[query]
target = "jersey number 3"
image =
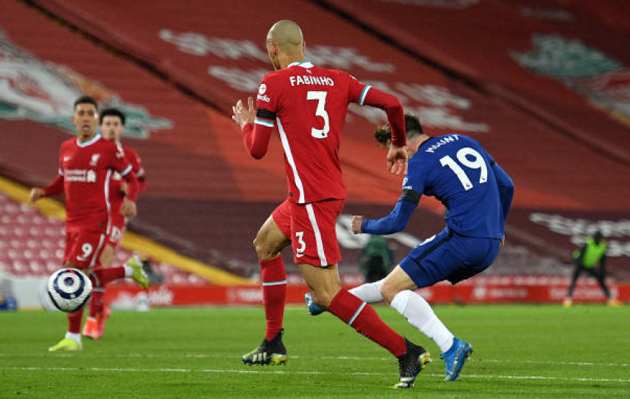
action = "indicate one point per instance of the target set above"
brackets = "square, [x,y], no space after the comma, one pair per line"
[462,156]
[320,96]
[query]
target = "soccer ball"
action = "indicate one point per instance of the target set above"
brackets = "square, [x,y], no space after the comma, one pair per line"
[69,289]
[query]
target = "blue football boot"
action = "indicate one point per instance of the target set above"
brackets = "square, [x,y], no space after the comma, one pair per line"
[313,309]
[455,357]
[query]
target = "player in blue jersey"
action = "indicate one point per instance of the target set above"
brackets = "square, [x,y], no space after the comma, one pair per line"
[477,194]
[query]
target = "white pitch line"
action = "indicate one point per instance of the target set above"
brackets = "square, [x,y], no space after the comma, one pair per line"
[556,363]
[210,356]
[224,371]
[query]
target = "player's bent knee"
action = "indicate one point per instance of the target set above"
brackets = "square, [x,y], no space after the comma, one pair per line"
[263,249]
[388,291]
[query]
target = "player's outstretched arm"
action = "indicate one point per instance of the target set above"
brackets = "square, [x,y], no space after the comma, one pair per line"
[394,222]
[394,110]
[397,155]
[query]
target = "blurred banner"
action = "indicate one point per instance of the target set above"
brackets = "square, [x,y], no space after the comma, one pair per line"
[562,62]
[18,293]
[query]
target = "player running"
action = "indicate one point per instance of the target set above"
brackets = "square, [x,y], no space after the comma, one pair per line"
[112,124]
[309,106]
[477,194]
[86,166]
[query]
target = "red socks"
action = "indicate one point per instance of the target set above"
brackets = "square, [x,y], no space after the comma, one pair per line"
[100,277]
[74,321]
[364,319]
[274,281]
[96,303]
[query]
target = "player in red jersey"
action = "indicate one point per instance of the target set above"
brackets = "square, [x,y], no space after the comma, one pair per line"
[309,106]
[112,123]
[86,165]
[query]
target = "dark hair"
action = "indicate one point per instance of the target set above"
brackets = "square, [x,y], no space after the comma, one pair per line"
[383,134]
[86,100]
[113,112]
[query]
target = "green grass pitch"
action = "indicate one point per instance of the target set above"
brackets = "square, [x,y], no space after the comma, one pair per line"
[519,352]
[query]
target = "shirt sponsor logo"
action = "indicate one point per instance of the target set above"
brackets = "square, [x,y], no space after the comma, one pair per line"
[263,98]
[80,175]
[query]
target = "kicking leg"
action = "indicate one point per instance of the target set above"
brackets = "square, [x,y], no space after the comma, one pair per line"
[398,290]
[327,293]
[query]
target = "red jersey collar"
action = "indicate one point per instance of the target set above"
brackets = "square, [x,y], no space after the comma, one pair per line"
[88,143]
[303,64]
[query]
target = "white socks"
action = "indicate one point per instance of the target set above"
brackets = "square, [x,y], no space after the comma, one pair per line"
[76,337]
[420,315]
[369,292]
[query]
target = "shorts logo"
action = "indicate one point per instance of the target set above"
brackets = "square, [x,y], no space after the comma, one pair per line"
[262,89]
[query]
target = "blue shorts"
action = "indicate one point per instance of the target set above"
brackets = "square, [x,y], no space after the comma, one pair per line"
[449,256]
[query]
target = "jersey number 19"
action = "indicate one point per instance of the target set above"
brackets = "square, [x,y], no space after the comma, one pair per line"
[462,157]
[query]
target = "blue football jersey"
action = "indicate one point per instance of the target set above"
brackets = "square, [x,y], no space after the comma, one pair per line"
[457,171]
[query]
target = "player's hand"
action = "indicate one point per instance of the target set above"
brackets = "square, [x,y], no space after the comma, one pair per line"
[242,115]
[37,193]
[128,208]
[357,221]
[502,243]
[397,159]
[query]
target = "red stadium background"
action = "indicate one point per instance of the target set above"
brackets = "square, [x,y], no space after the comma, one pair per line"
[543,85]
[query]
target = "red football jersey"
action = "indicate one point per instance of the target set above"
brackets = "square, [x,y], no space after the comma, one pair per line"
[117,197]
[87,169]
[309,106]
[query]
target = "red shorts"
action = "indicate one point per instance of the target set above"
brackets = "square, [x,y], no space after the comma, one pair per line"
[313,232]
[84,248]
[114,238]
[282,216]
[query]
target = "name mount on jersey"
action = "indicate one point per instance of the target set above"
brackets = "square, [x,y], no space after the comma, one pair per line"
[297,80]
[443,141]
